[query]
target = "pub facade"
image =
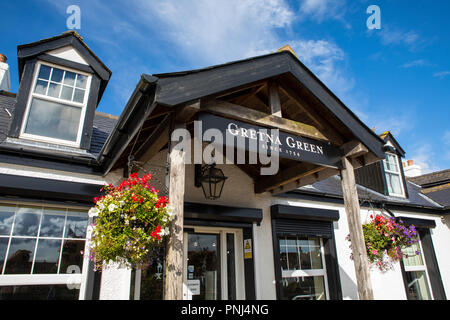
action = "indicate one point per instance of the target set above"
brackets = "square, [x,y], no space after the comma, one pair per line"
[266,169]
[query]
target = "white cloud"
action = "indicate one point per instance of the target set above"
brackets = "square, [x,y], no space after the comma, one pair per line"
[415,63]
[441,74]
[320,10]
[326,60]
[216,32]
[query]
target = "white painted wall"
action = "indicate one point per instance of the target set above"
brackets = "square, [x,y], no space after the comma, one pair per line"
[238,191]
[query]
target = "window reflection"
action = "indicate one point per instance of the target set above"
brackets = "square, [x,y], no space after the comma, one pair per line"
[71,254]
[6,220]
[27,222]
[304,288]
[47,256]
[52,223]
[76,225]
[20,256]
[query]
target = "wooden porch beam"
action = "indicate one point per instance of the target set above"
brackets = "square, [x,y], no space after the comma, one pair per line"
[321,123]
[351,203]
[274,99]
[324,173]
[186,112]
[173,284]
[155,141]
[294,173]
[241,113]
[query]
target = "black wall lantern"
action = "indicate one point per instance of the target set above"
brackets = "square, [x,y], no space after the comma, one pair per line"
[211,179]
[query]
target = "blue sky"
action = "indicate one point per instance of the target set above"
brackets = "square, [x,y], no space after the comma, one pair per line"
[396,78]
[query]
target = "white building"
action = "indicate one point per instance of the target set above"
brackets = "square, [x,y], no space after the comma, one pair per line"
[266,237]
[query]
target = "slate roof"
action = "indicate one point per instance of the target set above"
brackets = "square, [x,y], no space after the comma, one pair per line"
[331,187]
[103,123]
[7,101]
[433,178]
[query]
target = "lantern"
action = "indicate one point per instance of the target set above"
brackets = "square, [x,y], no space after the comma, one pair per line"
[211,179]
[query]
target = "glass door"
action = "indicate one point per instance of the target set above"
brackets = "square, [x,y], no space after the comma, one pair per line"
[213,266]
[203,271]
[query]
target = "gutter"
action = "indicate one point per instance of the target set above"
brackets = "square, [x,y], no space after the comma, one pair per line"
[121,135]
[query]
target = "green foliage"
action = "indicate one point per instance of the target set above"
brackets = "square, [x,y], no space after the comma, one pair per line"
[131,220]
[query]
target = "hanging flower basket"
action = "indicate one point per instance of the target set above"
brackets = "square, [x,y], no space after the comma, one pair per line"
[385,239]
[130,221]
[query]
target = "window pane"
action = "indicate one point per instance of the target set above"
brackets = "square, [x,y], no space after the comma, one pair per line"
[57,75]
[413,260]
[52,223]
[78,96]
[76,225]
[44,72]
[54,90]
[81,81]
[6,219]
[303,288]
[66,93]
[292,254]
[69,78]
[27,222]
[417,285]
[41,87]
[316,254]
[231,269]
[47,256]
[394,183]
[283,257]
[71,255]
[391,163]
[20,256]
[305,256]
[3,247]
[40,292]
[53,120]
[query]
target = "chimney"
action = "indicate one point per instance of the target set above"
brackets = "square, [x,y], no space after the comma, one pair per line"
[5,81]
[411,169]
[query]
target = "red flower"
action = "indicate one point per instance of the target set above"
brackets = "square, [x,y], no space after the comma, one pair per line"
[162,201]
[156,233]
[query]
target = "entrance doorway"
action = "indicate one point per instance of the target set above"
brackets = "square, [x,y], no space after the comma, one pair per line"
[213,264]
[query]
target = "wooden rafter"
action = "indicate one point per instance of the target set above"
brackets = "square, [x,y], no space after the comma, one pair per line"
[234,111]
[321,124]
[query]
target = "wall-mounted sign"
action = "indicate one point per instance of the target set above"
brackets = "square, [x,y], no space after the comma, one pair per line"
[248,249]
[194,287]
[252,138]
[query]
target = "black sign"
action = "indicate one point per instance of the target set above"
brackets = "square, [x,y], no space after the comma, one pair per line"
[241,135]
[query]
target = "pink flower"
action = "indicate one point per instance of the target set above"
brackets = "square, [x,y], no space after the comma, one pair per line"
[374,252]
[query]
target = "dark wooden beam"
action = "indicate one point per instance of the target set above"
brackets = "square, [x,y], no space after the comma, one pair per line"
[323,125]
[274,99]
[241,113]
[268,183]
[154,142]
[323,173]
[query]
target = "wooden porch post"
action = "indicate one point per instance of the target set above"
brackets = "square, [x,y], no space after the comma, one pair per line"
[173,286]
[352,208]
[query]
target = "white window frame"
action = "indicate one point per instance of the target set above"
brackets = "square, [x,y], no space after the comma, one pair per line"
[299,273]
[399,174]
[423,268]
[32,95]
[77,280]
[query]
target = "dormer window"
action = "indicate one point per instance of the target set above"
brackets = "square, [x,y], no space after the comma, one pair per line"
[393,175]
[57,105]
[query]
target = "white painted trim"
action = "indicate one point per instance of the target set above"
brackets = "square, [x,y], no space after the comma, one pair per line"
[83,106]
[40,279]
